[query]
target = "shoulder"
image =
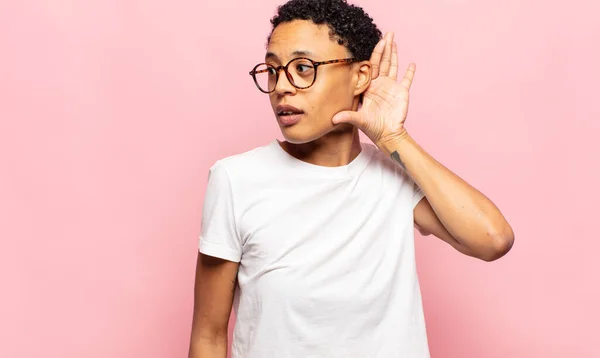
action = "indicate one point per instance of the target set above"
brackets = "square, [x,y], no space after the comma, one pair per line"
[380,160]
[246,164]
[385,165]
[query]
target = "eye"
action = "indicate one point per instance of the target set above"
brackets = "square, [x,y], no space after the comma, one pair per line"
[301,67]
[271,71]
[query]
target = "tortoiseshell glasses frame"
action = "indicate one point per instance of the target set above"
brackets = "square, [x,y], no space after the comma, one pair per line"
[289,76]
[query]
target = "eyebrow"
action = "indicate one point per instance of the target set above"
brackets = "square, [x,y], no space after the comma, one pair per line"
[295,53]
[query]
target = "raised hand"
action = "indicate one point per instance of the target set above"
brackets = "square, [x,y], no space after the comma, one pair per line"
[385,103]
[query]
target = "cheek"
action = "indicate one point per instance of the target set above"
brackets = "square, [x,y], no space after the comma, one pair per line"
[273,100]
[333,97]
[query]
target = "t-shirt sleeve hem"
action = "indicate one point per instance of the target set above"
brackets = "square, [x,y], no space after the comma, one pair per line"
[418,196]
[219,251]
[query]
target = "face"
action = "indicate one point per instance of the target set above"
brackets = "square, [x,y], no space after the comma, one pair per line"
[304,115]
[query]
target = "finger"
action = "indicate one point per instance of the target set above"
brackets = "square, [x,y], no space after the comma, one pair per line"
[394,63]
[384,68]
[376,58]
[350,117]
[408,76]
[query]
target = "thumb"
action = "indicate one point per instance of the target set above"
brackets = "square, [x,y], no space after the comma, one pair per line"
[351,117]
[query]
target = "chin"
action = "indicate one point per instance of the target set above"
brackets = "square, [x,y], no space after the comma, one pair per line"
[298,137]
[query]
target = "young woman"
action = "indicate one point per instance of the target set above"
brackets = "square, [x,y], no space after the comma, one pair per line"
[311,239]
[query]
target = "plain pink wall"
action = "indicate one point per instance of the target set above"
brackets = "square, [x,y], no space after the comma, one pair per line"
[111,113]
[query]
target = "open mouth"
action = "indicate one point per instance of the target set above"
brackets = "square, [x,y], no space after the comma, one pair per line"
[288,111]
[288,115]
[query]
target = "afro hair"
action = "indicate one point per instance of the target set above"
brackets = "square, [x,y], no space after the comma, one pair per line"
[349,25]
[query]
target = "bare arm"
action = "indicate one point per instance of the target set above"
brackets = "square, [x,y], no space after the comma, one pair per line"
[453,210]
[213,297]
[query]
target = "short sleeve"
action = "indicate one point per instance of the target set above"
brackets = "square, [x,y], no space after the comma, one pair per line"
[417,195]
[409,184]
[219,236]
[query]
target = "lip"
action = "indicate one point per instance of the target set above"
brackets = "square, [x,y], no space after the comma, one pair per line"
[288,120]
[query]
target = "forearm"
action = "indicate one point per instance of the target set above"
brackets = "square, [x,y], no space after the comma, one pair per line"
[468,215]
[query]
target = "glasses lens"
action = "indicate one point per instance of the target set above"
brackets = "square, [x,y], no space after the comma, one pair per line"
[302,72]
[265,77]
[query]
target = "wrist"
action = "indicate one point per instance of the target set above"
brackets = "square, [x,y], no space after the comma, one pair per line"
[392,143]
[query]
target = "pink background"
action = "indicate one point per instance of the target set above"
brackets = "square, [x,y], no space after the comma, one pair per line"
[111,113]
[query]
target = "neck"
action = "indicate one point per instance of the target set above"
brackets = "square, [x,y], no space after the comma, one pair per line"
[332,150]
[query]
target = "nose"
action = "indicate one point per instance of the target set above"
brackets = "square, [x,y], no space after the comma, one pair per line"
[284,85]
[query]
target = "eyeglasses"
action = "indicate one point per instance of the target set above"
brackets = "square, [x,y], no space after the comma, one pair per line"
[301,72]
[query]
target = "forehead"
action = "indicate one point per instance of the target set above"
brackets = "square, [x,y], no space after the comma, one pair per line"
[304,36]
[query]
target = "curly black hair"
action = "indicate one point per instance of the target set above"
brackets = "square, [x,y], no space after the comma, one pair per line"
[349,25]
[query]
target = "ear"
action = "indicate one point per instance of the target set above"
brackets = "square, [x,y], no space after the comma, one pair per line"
[363,77]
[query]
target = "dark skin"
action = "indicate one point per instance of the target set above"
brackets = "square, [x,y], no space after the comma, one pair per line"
[452,210]
[213,299]
[315,139]
[328,135]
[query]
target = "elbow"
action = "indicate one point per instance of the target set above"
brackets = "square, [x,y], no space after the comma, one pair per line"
[500,243]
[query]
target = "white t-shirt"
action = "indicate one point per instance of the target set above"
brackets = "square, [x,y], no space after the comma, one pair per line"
[327,259]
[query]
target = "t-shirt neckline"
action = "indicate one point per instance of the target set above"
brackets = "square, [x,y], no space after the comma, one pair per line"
[354,167]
